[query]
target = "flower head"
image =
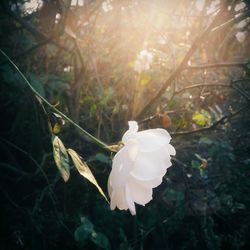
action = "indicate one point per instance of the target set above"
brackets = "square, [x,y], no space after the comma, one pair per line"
[139,167]
[143,61]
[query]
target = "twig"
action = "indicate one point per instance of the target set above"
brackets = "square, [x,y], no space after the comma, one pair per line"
[213,126]
[24,53]
[97,141]
[33,160]
[152,117]
[182,65]
[40,35]
[218,65]
[231,85]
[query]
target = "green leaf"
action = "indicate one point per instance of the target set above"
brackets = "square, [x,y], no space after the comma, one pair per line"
[205,140]
[201,118]
[173,195]
[195,164]
[100,240]
[84,170]
[61,157]
[102,158]
[83,232]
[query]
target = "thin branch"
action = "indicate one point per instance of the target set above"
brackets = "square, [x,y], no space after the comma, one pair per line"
[183,64]
[40,35]
[24,53]
[213,126]
[94,139]
[232,21]
[218,65]
[34,161]
[152,117]
[231,85]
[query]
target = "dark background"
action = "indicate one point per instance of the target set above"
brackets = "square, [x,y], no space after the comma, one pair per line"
[83,63]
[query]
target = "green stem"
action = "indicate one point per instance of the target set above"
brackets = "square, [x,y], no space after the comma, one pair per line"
[97,141]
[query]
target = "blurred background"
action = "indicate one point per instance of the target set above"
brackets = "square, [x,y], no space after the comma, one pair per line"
[181,65]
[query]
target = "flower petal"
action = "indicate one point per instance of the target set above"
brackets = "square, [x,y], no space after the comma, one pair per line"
[133,149]
[148,169]
[148,183]
[131,132]
[152,139]
[129,199]
[121,167]
[171,149]
[140,194]
[118,199]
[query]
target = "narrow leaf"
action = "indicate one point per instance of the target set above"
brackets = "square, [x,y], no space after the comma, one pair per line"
[61,157]
[84,170]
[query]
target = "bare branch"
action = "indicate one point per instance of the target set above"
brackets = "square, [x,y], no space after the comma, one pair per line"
[218,65]
[183,64]
[213,126]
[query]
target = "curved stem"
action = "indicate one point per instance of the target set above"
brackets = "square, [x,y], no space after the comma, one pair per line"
[94,139]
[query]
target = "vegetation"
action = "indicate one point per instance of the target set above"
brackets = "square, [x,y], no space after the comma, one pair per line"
[73,73]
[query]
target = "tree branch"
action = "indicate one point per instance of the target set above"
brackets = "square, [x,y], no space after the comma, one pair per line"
[40,35]
[213,126]
[183,64]
[218,65]
[94,139]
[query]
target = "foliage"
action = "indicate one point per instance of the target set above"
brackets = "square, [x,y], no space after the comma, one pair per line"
[170,64]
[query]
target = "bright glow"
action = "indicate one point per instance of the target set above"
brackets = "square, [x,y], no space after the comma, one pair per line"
[143,61]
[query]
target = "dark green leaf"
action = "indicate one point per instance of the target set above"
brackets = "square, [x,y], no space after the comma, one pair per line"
[83,232]
[195,164]
[100,240]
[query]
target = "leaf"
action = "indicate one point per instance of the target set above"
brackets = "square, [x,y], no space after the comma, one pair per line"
[205,140]
[195,164]
[145,79]
[84,230]
[173,195]
[100,240]
[102,158]
[61,157]
[84,170]
[201,118]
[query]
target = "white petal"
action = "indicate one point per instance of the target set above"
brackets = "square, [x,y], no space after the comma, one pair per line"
[133,126]
[122,165]
[110,189]
[147,169]
[148,183]
[129,199]
[131,132]
[133,148]
[140,194]
[118,199]
[152,139]
[171,149]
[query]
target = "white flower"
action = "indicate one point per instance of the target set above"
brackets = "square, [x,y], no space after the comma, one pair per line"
[139,167]
[143,61]
[241,36]
[106,6]
[239,6]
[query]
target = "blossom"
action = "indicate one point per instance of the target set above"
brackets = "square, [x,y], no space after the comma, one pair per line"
[139,167]
[106,6]
[241,36]
[143,61]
